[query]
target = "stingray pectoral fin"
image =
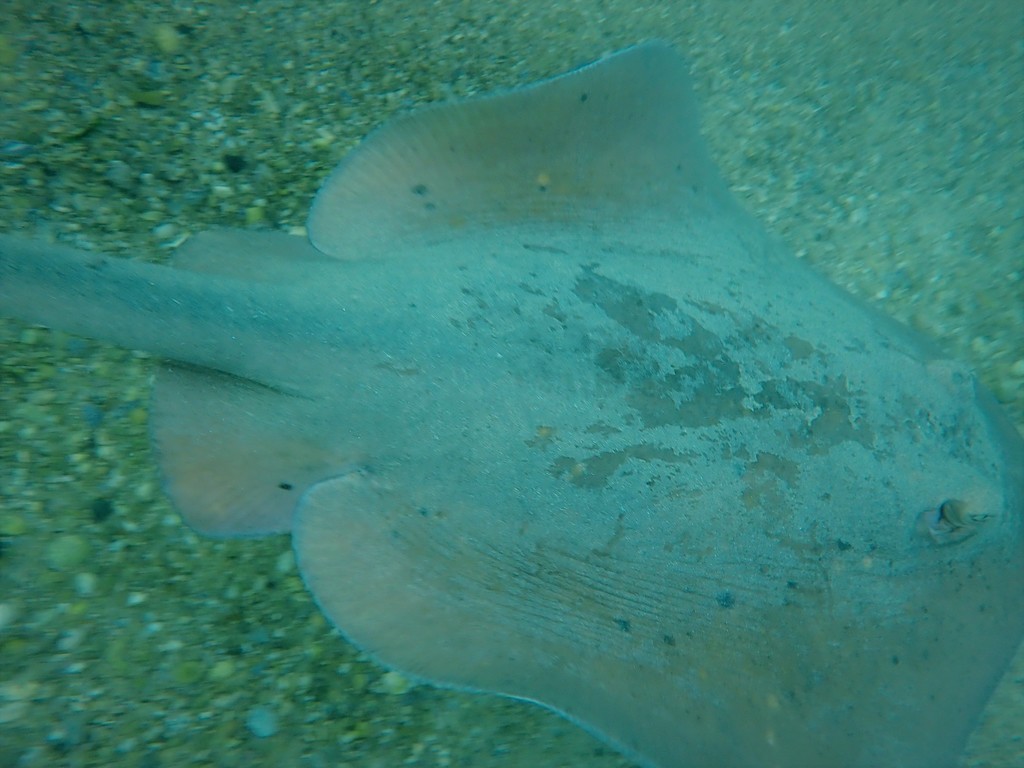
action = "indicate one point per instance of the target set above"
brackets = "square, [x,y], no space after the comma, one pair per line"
[613,140]
[237,456]
[430,593]
[395,579]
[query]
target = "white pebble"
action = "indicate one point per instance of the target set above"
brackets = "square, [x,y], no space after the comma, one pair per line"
[85,584]
[285,562]
[261,722]
[165,231]
[393,683]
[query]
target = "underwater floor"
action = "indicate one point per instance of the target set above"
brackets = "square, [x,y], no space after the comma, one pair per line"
[883,144]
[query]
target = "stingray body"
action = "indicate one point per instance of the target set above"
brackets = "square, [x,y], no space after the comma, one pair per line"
[548,415]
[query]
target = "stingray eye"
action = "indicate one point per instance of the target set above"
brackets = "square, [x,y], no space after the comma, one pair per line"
[952,520]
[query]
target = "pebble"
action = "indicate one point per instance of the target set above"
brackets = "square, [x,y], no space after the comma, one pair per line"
[393,684]
[67,551]
[253,215]
[8,613]
[165,231]
[222,670]
[261,722]
[120,175]
[70,640]
[12,524]
[12,711]
[285,562]
[85,584]
[167,39]
[188,672]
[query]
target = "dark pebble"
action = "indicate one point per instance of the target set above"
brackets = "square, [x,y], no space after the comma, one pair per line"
[101,509]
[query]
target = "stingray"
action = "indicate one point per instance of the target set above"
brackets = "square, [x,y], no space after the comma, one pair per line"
[548,415]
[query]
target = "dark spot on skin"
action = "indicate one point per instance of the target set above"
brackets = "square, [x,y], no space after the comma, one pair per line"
[101,509]
[285,486]
[584,97]
[420,189]
[624,624]
[668,639]
[725,599]
[895,661]
[843,545]
[791,584]
[539,248]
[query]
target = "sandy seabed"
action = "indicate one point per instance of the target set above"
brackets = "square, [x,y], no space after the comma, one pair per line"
[881,140]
